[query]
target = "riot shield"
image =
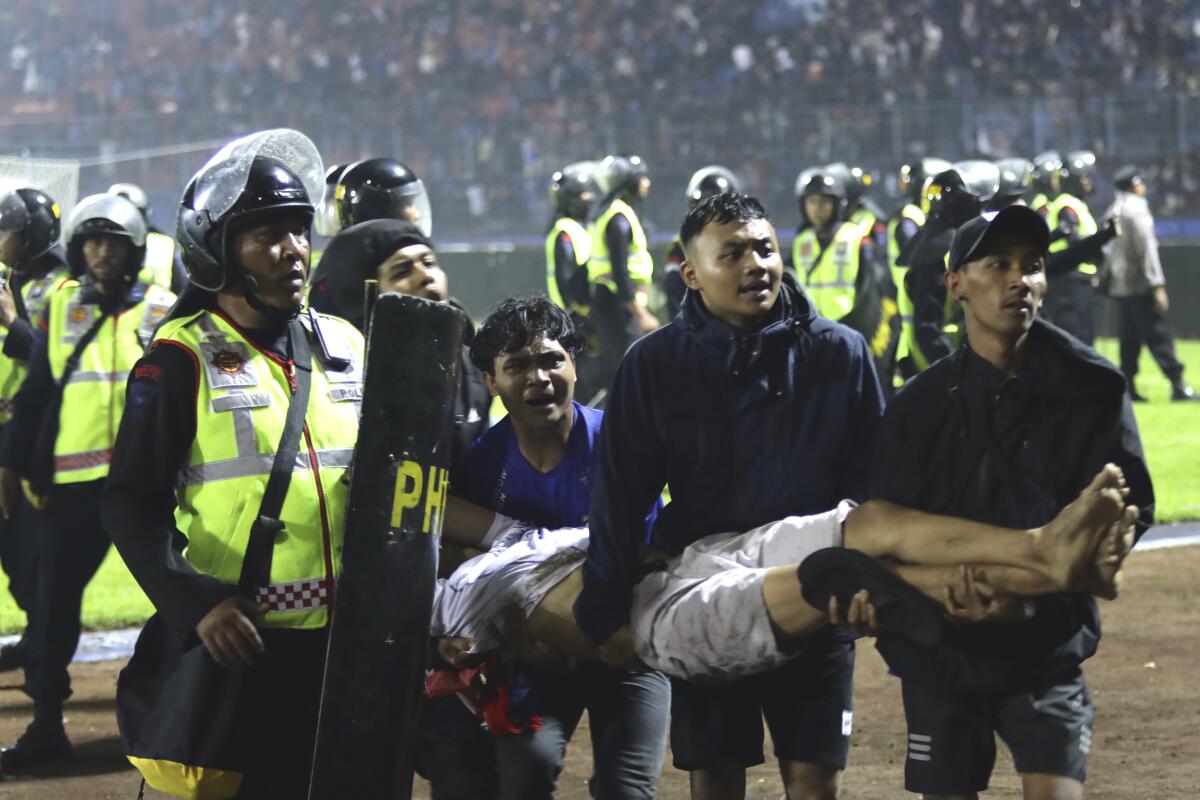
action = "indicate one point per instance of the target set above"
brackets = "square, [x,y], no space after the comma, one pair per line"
[379,634]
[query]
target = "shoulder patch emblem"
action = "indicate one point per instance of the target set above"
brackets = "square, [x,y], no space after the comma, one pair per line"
[77,314]
[229,362]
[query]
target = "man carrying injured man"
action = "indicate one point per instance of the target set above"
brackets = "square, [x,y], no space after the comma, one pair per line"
[733,604]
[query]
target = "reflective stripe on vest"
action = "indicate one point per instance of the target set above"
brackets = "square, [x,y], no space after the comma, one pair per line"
[828,275]
[581,242]
[36,294]
[241,406]
[641,263]
[1087,225]
[159,265]
[94,396]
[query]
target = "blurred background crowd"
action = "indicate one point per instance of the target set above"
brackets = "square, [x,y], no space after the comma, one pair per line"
[485,99]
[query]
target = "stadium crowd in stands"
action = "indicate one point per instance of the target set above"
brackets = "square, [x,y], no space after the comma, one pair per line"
[486,97]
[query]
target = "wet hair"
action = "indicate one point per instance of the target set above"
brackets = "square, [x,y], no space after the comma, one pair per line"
[722,209]
[516,322]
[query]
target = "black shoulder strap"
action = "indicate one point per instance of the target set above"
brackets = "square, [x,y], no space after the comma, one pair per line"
[256,566]
[81,345]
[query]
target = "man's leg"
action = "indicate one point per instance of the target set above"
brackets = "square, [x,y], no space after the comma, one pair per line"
[73,546]
[1129,334]
[1049,731]
[628,713]
[716,734]
[951,742]
[454,753]
[808,704]
[1157,335]
[529,763]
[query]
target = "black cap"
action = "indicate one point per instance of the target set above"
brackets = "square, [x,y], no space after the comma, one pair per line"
[1127,177]
[973,240]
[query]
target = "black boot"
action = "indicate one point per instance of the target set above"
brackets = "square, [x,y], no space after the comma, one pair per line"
[12,656]
[1135,395]
[44,740]
[1182,392]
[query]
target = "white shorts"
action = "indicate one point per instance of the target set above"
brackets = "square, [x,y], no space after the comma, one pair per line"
[704,619]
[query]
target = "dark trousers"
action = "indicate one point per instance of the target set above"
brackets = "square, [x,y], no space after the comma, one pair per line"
[1141,323]
[1070,304]
[285,685]
[71,545]
[18,553]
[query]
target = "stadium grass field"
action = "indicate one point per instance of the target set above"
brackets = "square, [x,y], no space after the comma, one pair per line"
[1170,433]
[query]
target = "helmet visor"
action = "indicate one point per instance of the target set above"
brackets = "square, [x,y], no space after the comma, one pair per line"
[410,202]
[109,213]
[326,221]
[220,182]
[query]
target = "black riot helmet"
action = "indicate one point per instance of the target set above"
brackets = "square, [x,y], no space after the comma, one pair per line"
[915,175]
[326,221]
[33,215]
[820,180]
[1045,172]
[106,215]
[1077,173]
[382,188]
[711,180]
[249,178]
[1016,180]
[962,192]
[621,176]
[573,190]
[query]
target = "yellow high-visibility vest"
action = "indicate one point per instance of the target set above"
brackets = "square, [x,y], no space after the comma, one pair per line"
[159,266]
[1087,225]
[94,396]
[36,294]
[640,265]
[581,242]
[241,409]
[904,303]
[828,275]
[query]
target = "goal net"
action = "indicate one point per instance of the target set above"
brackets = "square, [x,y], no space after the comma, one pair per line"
[58,178]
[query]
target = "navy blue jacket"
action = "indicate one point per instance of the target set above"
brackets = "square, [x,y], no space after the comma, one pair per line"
[744,428]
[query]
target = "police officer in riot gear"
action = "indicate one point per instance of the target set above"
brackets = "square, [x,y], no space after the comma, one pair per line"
[1045,180]
[839,266]
[860,208]
[1016,183]
[220,377]
[378,188]
[59,443]
[912,180]
[621,269]
[705,182]
[569,243]
[30,226]
[1070,295]
[955,196]
[164,265]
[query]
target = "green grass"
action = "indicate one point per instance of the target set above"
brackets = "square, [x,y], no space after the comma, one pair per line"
[1170,433]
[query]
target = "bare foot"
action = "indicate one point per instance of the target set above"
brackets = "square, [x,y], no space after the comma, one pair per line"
[1110,555]
[1070,540]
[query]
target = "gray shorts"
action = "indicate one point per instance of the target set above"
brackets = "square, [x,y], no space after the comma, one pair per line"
[952,744]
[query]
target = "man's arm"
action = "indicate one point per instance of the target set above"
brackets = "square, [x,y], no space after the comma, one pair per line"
[19,343]
[618,235]
[1080,251]
[34,396]
[156,432]
[630,474]
[564,266]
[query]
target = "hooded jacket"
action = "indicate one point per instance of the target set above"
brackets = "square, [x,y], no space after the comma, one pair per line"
[744,426]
